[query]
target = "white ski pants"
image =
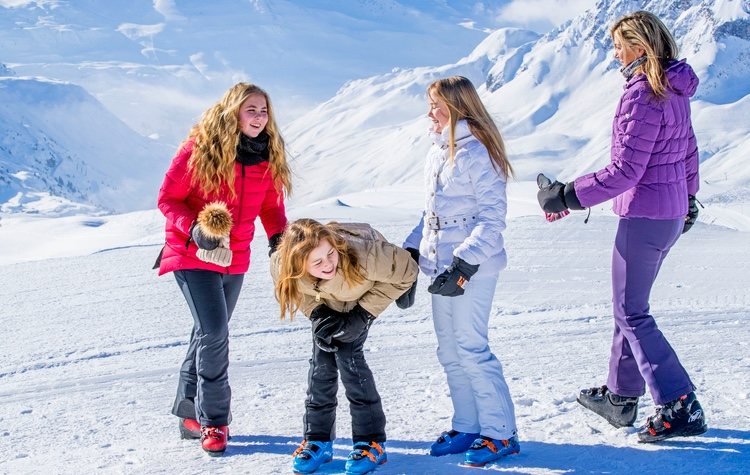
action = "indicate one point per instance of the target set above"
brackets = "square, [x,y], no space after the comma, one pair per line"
[480,396]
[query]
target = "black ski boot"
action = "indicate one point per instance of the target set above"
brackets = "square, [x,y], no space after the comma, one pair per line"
[680,418]
[620,411]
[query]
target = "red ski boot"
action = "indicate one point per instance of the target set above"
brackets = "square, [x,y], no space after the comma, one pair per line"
[214,439]
[190,429]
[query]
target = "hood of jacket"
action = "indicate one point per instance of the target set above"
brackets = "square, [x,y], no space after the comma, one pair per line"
[682,78]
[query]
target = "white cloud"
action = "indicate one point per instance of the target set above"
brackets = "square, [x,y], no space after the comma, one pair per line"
[259,5]
[23,3]
[167,8]
[541,15]
[134,31]
[197,60]
[14,3]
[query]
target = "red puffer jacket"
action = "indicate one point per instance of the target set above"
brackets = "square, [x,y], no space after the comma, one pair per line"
[181,202]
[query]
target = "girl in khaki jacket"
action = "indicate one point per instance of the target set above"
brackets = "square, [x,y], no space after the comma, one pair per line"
[341,276]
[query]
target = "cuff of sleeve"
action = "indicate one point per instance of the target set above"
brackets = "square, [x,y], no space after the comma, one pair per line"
[571,199]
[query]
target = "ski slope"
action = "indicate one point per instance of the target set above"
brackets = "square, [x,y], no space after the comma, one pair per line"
[92,344]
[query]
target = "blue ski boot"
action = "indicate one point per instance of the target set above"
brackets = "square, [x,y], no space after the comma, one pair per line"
[452,442]
[485,450]
[365,458]
[310,455]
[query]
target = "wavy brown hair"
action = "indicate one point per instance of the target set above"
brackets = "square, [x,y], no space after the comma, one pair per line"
[298,241]
[217,135]
[644,29]
[464,103]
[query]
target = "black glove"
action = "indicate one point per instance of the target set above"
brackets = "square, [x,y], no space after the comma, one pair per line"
[273,243]
[452,281]
[353,324]
[201,240]
[322,318]
[692,214]
[556,197]
[330,326]
[407,298]
[327,347]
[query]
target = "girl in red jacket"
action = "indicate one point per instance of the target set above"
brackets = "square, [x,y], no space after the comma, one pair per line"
[231,169]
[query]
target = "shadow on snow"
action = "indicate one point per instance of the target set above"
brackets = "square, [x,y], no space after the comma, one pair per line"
[714,452]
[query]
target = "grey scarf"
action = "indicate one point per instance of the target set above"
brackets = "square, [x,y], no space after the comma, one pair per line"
[628,70]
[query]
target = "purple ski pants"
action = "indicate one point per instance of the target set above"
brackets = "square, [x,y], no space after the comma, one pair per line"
[640,353]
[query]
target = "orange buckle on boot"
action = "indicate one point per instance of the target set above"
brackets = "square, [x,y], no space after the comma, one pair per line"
[491,446]
[372,456]
[299,449]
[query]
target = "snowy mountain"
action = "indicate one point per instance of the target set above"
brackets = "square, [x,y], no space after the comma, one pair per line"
[553,97]
[61,152]
[159,64]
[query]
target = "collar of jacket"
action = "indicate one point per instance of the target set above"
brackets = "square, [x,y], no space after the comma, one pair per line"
[639,77]
[462,135]
[331,287]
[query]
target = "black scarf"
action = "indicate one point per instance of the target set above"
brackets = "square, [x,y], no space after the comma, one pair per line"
[252,151]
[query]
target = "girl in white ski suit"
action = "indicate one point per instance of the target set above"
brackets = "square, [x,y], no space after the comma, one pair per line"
[461,229]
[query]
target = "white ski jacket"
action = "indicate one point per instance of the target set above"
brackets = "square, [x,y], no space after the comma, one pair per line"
[465,207]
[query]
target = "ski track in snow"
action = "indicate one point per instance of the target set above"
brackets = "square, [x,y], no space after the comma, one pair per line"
[92,346]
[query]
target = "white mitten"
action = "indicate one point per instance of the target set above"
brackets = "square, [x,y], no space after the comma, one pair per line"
[221,256]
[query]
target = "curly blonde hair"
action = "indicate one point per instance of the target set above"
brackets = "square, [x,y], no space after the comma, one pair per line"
[463,102]
[298,241]
[644,29]
[217,135]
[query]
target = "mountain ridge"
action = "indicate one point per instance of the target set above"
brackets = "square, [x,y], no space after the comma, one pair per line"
[63,152]
[552,95]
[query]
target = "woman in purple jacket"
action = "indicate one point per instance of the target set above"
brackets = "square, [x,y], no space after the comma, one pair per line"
[653,179]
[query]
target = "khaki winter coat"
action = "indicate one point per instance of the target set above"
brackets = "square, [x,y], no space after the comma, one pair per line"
[388,271]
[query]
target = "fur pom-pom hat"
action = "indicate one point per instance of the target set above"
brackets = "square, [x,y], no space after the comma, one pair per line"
[215,220]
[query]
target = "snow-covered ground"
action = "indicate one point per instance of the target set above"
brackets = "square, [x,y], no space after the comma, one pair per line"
[92,342]
[92,338]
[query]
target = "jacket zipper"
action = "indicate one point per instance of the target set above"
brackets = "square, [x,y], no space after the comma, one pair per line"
[239,211]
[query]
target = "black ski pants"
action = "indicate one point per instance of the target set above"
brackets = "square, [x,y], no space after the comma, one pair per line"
[203,391]
[368,419]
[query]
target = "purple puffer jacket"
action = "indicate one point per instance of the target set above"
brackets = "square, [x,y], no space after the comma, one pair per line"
[654,153]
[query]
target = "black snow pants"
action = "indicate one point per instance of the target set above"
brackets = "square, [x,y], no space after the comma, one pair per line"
[368,419]
[203,392]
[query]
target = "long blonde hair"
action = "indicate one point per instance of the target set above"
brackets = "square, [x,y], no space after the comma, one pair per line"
[217,135]
[644,29]
[298,241]
[464,103]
